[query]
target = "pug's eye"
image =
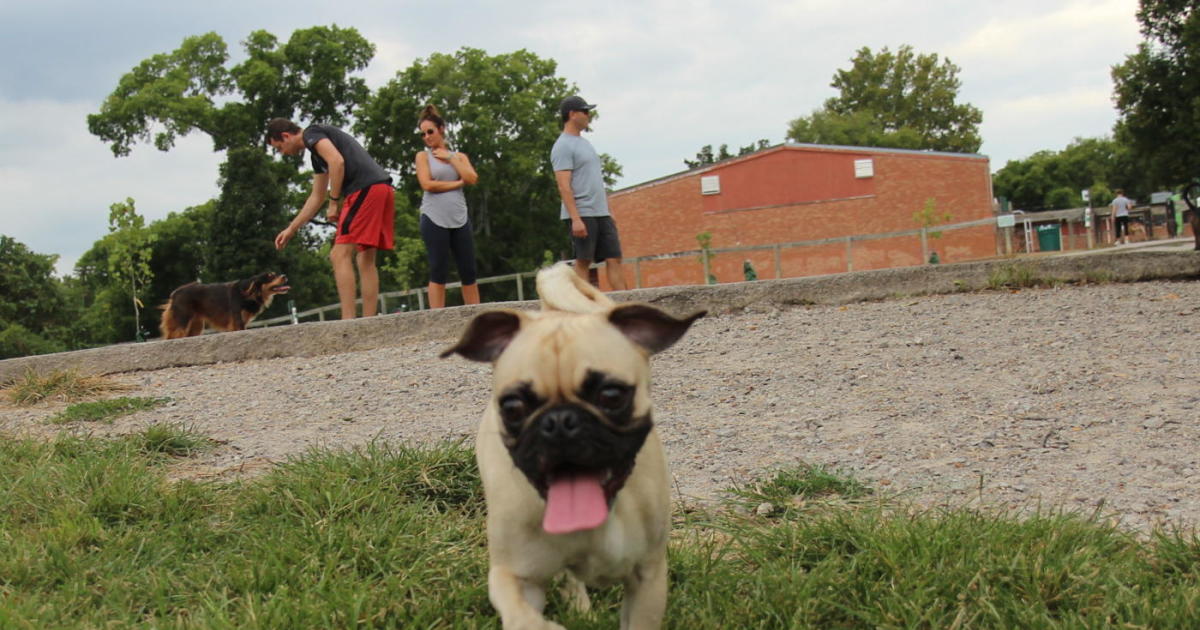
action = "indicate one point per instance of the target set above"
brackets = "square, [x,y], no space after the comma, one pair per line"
[613,398]
[512,408]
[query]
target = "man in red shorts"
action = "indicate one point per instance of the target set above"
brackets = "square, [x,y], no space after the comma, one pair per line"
[361,204]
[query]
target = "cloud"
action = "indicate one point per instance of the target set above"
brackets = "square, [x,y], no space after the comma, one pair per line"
[1057,104]
[1040,73]
[66,178]
[391,56]
[1049,120]
[1048,48]
[1025,40]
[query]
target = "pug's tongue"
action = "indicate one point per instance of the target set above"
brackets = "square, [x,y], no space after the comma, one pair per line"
[574,503]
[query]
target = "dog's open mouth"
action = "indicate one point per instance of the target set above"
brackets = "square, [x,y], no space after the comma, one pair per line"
[579,499]
[280,288]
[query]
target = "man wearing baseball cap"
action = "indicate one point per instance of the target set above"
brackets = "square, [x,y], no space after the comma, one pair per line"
[577,169]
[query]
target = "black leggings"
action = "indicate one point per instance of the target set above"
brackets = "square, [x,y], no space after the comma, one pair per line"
[440,242]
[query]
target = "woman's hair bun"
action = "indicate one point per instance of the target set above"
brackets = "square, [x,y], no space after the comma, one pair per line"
[430,113]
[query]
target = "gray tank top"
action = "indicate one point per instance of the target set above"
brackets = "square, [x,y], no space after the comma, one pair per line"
[446,209]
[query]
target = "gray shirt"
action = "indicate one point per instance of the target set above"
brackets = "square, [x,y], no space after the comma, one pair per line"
[361,170]
[446,209]
[1121,206]
[573,153]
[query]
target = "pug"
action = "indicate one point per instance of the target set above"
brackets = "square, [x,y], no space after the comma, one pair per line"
[573,470]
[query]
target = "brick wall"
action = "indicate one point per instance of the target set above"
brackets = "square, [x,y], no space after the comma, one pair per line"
[799,193]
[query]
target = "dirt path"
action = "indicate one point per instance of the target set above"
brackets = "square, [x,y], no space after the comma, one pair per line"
[1076,397]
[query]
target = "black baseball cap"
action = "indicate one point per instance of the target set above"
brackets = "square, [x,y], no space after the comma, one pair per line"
[574,104]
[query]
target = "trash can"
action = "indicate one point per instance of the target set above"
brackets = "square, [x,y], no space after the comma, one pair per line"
[1049,237]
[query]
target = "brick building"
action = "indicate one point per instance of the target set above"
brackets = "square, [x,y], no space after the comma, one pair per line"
[810,196]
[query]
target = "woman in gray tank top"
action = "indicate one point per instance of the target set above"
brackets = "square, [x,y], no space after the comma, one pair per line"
[445,224]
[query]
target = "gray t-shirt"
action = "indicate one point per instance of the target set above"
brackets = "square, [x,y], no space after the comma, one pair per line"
[446,209]
[1121,206]
[573,153]
[361,169]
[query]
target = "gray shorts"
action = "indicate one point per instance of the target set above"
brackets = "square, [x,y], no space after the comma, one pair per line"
[601,242]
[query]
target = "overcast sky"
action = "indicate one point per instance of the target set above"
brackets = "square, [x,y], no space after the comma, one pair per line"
[669,76]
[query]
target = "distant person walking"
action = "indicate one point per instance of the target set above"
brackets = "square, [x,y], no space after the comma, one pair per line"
[1120,208]
[361,204]
[445,224]
[577,170]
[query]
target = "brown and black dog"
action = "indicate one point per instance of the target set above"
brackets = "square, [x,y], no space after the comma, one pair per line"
[225,306]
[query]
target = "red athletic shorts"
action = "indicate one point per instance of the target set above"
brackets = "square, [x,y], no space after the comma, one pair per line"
[368,218]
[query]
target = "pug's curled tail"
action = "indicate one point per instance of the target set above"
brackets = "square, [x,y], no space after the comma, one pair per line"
[561,289]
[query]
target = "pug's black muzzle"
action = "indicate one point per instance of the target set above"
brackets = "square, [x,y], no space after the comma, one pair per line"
[569,439]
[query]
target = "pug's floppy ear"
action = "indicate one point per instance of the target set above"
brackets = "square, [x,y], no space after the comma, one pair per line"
[486,336]
[649,327]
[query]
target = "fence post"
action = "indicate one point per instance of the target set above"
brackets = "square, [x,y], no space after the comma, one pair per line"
[778,261]
[1089,228]
[704,259]
[420,299]
[520,289]
[924,245]
[637,273]
[849,255]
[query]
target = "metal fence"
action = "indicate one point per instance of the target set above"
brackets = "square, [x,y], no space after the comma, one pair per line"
[393,296]
[777,248]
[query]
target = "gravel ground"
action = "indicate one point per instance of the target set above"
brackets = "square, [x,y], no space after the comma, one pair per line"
[1080,398]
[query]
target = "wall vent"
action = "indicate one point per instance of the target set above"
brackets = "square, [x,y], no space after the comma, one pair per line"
[864,168]
[710,185]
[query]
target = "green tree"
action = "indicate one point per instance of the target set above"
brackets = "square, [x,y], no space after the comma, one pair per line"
[32,306]
[196,89]
[18,341]
[31,296]
[1049,180]
[1157,90]
[104,317]
[928,216]
[129,255]
[502,111]
[900,100]
[706,156]
[178,249]
[1062,198]
[193,89]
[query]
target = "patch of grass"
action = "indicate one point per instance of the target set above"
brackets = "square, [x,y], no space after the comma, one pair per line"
[875,567]
[105,410]
[92,535]
[61,386]
[172,439]
[789,490]
[1017,276]
[1097,276]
